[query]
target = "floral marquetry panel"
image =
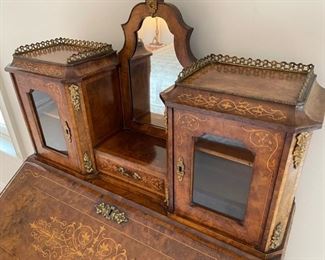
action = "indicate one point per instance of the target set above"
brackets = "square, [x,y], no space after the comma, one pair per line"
[243,108]
[230,105]
[57,239]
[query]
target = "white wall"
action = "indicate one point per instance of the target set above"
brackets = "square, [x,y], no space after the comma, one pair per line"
[291,30]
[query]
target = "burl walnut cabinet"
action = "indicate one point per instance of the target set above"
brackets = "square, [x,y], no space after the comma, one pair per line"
[115,177]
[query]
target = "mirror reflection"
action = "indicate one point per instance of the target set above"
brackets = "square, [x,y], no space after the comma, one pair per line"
[155,57]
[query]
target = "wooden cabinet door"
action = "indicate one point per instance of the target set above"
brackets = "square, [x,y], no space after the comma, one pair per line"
[45,105]
[263,146]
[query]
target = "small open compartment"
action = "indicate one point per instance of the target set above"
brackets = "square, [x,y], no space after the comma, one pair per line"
[222,174]
[146,152]
[137,162]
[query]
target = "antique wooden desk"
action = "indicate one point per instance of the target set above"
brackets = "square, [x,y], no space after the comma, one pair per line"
[130,164]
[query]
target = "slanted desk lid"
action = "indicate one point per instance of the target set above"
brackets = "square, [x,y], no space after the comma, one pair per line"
[49,214]
[283,94]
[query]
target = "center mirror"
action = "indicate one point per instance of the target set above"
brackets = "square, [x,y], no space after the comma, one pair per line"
[156,60]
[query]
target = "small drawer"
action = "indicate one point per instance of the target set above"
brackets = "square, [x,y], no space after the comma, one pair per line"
[135,177]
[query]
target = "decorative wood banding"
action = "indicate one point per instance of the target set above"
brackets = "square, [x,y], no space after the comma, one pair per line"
[242,108]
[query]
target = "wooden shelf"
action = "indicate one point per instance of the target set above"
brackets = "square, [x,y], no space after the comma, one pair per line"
[236,154]
[146,152]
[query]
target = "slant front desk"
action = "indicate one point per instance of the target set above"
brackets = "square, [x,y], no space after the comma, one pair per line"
[153,154]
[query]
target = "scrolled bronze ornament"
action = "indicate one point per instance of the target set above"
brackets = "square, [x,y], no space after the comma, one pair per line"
[75,96]
[111,212]
[300,148]
[276,237]
[88,165]
[166,200]
[153,6]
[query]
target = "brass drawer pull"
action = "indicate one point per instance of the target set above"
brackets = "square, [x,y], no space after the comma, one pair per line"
[180,169]
[127,173]
[111,212]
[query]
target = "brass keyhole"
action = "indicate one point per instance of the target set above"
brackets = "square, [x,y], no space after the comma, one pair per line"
[67,132]
[180,169]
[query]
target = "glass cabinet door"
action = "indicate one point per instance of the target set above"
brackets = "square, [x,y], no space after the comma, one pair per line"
[49,121]
[222,175]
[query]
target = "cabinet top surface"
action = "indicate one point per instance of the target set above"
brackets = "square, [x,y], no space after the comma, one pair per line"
[283,94]
[276,86]
[63,51]
[58,54]
[269,81]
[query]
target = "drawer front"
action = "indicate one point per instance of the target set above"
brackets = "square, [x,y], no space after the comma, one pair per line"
[229,192]
[128,174]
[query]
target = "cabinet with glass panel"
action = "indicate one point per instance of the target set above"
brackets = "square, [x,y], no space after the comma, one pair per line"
[236,144]
[56,82]
[220,150]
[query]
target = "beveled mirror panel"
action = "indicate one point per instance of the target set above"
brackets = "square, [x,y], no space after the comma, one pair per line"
[155,57]
[49,121]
